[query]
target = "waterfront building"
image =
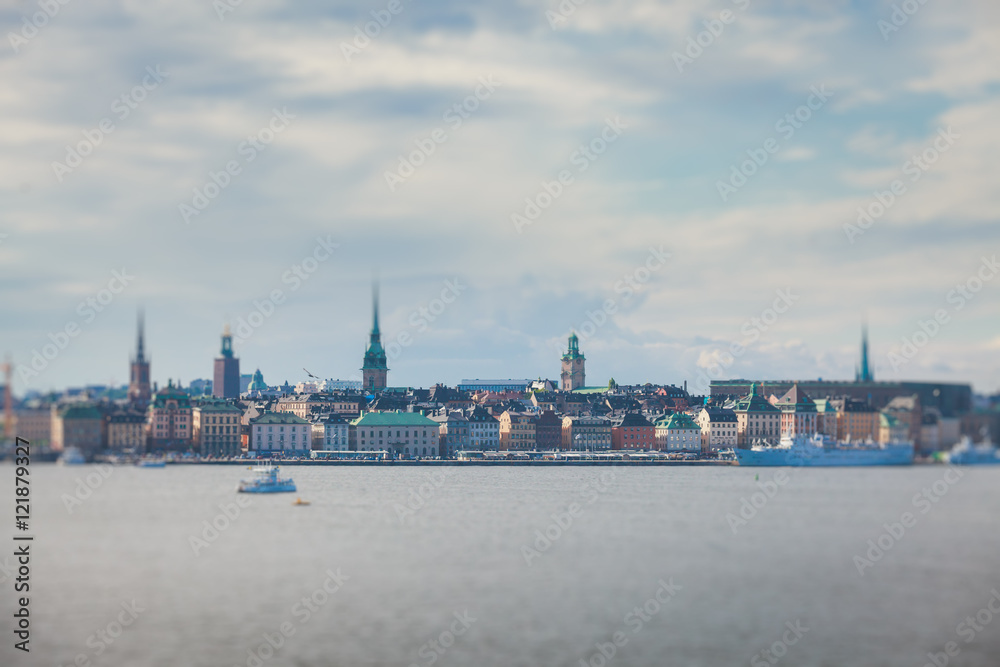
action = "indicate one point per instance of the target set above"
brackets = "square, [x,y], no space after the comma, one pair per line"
[375,369]
[586,434]
[856,420]
[572,365]
[678,433]
[170,419]
[910,411]
[126,431]
[217,429]
[951,400]
[633,431]
[280,433]
[718,428]
[826,418]
[548,431]
[138,387]
[798,413]
[756,419]
[484,431]
[453,431]
[79,425]
[330,432]
[33,422]
[517,431]
[403,433]
[891,429]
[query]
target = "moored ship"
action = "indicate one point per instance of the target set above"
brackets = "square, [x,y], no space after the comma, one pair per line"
[969,454]
[817,451]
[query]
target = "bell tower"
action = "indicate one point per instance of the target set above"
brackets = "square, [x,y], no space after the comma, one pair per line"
[572,365]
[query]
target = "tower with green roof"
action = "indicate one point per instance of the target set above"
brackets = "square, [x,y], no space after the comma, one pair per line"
[572,365]
[375,369]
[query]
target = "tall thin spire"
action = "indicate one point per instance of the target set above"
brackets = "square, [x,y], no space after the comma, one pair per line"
[375,331]
[864,371]
[375,365]
[140,354]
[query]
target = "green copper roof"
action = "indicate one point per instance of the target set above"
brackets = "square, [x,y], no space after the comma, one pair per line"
[394,419]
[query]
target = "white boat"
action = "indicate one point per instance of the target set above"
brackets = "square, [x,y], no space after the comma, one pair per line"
[71,456]
[817,451]
[266,481]
[967,453]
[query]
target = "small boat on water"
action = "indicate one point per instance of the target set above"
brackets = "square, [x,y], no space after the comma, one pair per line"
[266,481]
[151,463]
[967,453]
[299,501]
[71,456]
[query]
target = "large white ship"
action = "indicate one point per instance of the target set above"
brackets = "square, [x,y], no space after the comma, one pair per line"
[817,451]
[970,454]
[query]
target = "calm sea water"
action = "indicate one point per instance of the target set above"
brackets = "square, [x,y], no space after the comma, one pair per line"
[360,577]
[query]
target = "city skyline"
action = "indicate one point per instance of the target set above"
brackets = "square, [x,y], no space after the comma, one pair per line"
[788,154]
[570,350]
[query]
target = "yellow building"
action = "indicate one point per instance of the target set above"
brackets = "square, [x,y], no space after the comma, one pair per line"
[517,431]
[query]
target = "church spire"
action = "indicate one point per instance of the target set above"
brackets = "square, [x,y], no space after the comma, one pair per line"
[864,371]
[375,368]
[140,354]
[375,331]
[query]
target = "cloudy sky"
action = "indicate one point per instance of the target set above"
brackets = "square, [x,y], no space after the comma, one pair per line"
[217,154]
